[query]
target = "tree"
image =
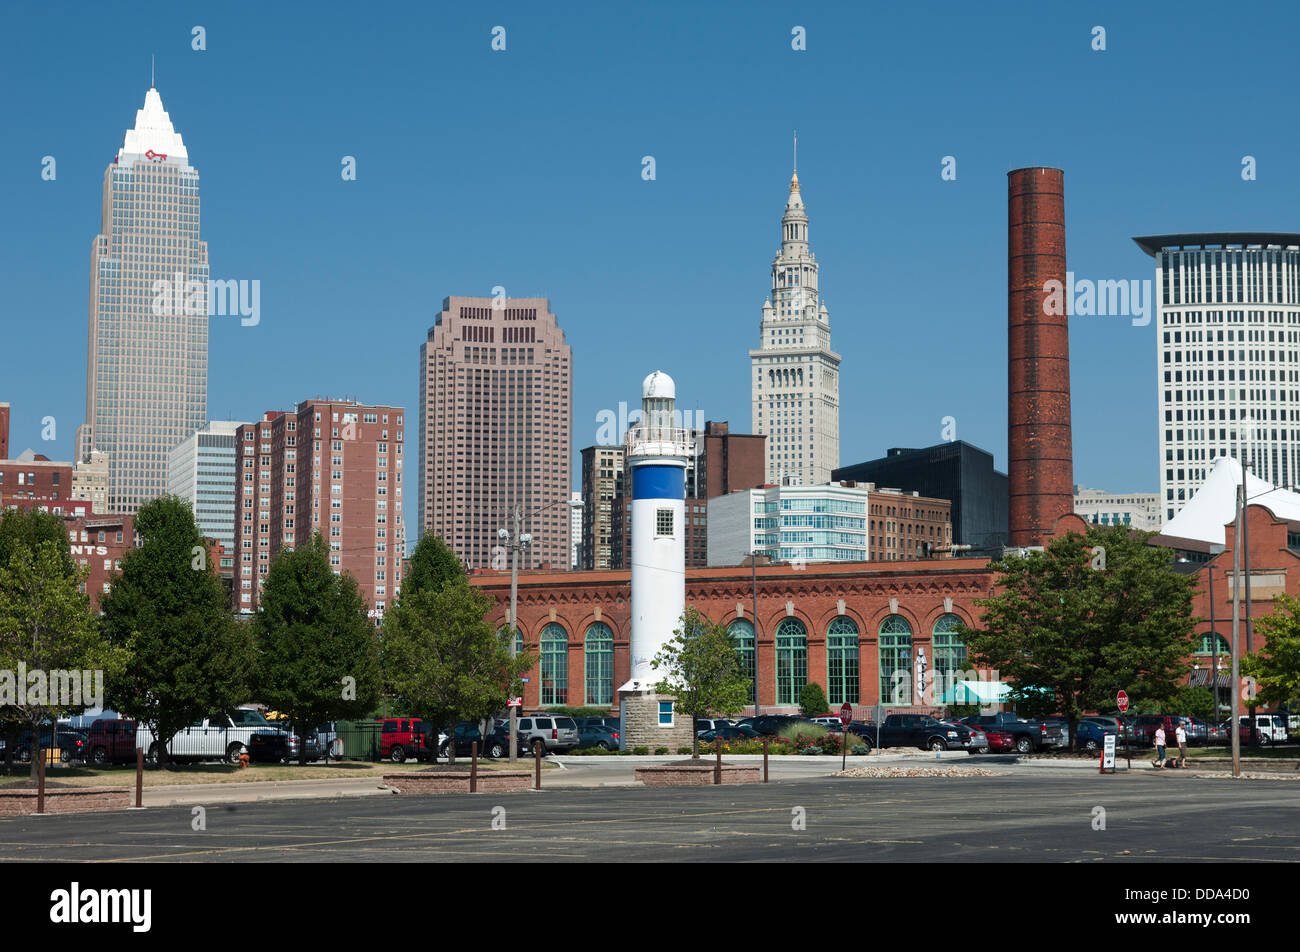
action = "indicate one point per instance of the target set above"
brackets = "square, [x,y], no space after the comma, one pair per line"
[21,529]
[318,652]
[188,657]
[812,701]
[1077,634]
[702,669]
[433,565]
[444,658]
[1276,666]
[49,639]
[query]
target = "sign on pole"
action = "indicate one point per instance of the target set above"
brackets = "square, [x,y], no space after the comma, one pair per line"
[846,714]
[515,702]
[1121,700]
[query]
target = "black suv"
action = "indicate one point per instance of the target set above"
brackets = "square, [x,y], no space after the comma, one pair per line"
[464,734]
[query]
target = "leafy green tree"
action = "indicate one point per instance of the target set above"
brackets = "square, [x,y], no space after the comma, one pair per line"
[444,658]
[433,565]
[189,658]
[702,669]
[1078,634]
[318,652]
[26,529]
[812,701]
[1276,665]
[47,626]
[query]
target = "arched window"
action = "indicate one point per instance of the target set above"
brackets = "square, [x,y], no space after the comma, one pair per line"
[842,661]
[555,665]
[895,661]
[742,634]
[949,658]
[1206,646]
[599,652]
[791,660]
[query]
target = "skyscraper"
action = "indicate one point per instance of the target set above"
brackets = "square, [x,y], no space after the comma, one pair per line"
[1227,343]
[147,362]
[796,375]
[496,426]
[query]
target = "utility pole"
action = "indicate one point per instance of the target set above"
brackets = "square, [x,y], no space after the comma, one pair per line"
[1235,686]
[753,565]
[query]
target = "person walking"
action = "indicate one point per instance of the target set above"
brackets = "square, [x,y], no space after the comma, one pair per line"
[1160,746]
[1180,735]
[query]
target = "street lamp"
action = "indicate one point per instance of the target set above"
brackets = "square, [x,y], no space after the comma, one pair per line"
[516,541]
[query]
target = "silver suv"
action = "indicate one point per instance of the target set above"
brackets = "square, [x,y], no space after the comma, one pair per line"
[558,733]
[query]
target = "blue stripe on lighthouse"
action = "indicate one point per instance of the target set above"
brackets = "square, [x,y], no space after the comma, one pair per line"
[659,482]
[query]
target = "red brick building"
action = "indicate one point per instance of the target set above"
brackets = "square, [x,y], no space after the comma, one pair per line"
[35,480]
[97,543]
[333,466]
[847,626]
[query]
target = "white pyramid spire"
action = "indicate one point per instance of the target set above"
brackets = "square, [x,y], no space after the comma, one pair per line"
[1215,503]
[153,132]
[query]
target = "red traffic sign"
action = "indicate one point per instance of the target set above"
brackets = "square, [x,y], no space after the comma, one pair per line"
[1122,700]
[515,702]
[846,713]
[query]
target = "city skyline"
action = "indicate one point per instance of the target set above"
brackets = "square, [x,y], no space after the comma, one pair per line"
[588,228]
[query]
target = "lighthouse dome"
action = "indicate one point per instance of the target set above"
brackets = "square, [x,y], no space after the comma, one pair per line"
[658,385]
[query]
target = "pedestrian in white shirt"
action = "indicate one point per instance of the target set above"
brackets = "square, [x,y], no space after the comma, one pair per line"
[1160,746]
[1180,735]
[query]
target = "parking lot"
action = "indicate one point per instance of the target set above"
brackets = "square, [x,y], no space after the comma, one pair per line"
[1027,815]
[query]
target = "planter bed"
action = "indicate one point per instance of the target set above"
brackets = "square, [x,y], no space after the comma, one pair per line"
[21,801]
[696,773]
[455,779]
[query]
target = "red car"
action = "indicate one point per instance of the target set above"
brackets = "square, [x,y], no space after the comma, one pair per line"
[1000,742]
[403,737]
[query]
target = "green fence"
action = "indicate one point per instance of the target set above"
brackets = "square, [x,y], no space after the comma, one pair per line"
[360,739]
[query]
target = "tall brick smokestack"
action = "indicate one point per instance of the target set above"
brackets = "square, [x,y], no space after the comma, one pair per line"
[1040,464]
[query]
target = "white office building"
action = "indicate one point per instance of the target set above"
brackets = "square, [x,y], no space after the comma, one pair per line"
[201,470]
[575,526]
[826,523]
[1137,510]
[1228,357]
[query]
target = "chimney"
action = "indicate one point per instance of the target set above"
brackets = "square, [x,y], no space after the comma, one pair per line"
[4,431]
[1040,466]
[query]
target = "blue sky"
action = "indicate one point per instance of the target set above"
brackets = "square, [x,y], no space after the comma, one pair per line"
[522,169]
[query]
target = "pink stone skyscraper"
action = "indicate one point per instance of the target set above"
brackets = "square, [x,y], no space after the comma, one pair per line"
[147,361]
[496,429]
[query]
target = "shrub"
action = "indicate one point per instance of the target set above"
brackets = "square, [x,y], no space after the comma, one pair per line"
[812,700]
[796,729]
[640,750]
[811,750]
[684,750]
[860,750]
[660,751]
[624,753]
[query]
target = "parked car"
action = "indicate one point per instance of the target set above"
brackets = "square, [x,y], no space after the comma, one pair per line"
[769,725]
[596,735]
[827,720]
[997,742]
[703,724]
[1089,735]
[464,734]
[113,741]
[729,732]
[1142,729]
[1269,729]
[613,723]
[557,733]
[1030,735]
[403,737]
[71,744]
[923,731]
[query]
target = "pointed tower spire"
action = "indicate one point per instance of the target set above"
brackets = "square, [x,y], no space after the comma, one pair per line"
[794,178]
[151,83]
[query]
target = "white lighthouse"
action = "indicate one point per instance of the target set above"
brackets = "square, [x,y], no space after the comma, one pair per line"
[657,450]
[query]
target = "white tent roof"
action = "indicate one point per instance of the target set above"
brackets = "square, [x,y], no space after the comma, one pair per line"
[1215,503]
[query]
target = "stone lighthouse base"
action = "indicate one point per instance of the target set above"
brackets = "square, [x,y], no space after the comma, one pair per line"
[643,725]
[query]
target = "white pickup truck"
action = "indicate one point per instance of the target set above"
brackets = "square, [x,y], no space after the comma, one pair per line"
[224,737]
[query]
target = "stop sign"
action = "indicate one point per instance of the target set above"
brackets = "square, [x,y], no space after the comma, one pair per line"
[846,713]
[1122,700]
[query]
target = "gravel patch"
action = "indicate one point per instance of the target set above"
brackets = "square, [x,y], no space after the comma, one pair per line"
[919,772]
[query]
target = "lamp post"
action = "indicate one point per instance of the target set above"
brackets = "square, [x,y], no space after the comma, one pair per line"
[1236,626]
[753,565]
[516,541]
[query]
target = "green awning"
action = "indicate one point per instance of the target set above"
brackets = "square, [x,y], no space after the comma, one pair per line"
[977,692]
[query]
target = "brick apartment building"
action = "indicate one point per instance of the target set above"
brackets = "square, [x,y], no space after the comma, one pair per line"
[35,480]
[329,466]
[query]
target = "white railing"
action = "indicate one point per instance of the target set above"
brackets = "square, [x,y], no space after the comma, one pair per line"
[676,437]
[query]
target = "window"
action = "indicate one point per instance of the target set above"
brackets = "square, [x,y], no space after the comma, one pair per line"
[663,522]
[791,660]
[895,661]
[949,658]
[600,664]
[842,661]
[554,664]
[742,634]
[665,713]
[1206,646]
